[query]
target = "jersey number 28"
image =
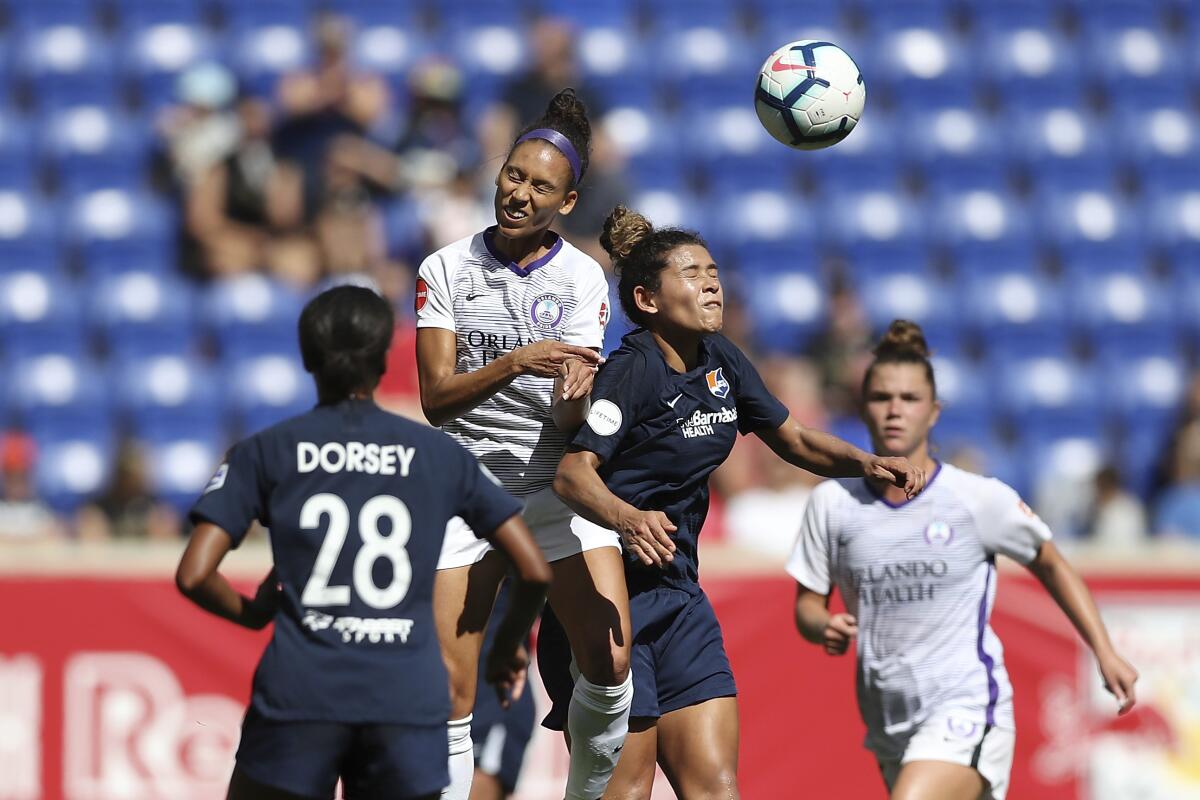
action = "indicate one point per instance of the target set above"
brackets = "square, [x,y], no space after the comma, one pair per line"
[318,592]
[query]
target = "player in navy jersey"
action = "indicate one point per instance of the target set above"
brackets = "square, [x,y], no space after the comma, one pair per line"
[510,323]
[352,683]
[666,409]
[919,581]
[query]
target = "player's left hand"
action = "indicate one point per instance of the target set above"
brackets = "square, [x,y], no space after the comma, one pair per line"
[899,471]
[1119,677]
[506,671]
[577,376]
[265,603]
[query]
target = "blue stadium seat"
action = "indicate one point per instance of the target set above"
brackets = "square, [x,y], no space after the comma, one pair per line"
[263,54]
[877,214]
[66,63]
[1019,40]
[1172,214]
[789,308]
[983,213]
[912,44]
[1142,451]
[911,295]
[26,14]
[252,315]
[1064,464]
[121,222]
[1128,43]
[707,60]
[950,137]
[1145,386]
[1000,304]
[28,232]
[389,47]
[595,14]
[983,258]
[72,469]
[868,155]
[1063,145]
[734,143]
[136,312]
[39,313]
[792,255]
[93,139]
[58,392]
[965,391]
[1128,304]
[665,207]
[268,388]
[672,15]
[1047,391]
[1087,216]
[154,56]
[866,260]
[242,16]
[162,391]
[142,13]
[17,138]
[760,215]
[490,55]
[182,464]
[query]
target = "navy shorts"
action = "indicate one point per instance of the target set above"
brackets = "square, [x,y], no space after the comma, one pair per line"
[373,761]
[677,658]
[501,735]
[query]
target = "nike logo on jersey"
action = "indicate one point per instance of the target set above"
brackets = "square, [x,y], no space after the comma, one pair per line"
[779,65]
[676,400]
[471,297]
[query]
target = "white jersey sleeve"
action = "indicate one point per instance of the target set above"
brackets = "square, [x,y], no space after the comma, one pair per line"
[434,303]
[586,326]
[1007,525]
[810,560]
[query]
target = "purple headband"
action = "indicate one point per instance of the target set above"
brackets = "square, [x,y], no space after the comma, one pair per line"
[559,141]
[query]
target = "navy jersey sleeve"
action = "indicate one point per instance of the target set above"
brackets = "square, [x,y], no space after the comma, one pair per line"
[484,505]
[757,407]
[618,395]
[236,495]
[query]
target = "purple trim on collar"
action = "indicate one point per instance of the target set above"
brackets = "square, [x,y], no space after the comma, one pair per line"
[561,143]
[883,499]
[525,271]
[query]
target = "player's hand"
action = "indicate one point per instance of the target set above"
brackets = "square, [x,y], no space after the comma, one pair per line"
[647,534]
[577,378]
[840,629]
[1119,677]
[506,670]
[899,471]
[261,609]
[547,357]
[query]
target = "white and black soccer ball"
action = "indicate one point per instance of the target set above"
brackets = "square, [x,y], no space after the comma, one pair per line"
[810,94]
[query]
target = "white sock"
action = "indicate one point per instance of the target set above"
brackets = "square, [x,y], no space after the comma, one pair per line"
[598,720]
[462,760]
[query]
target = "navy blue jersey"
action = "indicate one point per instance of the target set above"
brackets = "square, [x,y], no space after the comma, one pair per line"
[357,501]
[661,433]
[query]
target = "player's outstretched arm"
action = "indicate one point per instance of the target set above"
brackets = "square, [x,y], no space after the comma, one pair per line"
[199,581]
[446,394]
[1072,595]
[646,534]
[817,625]
[508,660]
[826,454]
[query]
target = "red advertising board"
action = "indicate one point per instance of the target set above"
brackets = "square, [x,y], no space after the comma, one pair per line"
[118,688]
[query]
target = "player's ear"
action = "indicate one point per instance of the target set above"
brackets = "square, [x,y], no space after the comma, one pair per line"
[644,299]
[935,414]
[568,202]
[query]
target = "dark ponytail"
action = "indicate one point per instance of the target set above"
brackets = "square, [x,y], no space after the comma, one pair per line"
[567,114]
[902,343]
[345,334]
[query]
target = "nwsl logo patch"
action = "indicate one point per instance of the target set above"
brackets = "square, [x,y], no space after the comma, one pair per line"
[717,383]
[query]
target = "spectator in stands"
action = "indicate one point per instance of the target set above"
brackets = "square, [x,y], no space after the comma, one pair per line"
[23,516]
[244,212]
[1118,517]
[842,349]
[128,509]
[1179,505]
[203,129]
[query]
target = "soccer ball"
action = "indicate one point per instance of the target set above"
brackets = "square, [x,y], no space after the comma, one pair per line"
[810,94]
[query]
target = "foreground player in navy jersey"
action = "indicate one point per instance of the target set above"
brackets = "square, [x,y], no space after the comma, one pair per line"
[352,684]
[666,409]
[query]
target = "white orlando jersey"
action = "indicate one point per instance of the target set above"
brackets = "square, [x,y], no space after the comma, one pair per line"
[921,579]
[494,306]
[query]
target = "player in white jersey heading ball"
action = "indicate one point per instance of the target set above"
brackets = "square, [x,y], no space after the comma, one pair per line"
[510,324]
[919,582]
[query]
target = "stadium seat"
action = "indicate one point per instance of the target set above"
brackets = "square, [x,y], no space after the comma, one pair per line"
[1087,216]
[143,312]
[121,222]
[982,213]
[1128,43]
[263,54]
[143,13]
[17,148]
[954,137]
[760,215]
[733,146]
[154,56]
[910,295]
[1185,289]
[181,465]
[252,315]
[1145,386]
[789,309]
[1062,145]
[29,14]
[58,392]
[1045,392]
[168,391]
[707,59]
[39,313]
[912,44]
[877,214]
[1020,40]
[673,15]
[982,258]
[870,154]
[1127,304]
[268,388]
[71,470]
[28,233]
[241,16]
[66,64]
[91,143]
[596,14]
[1000,304]
[965,391]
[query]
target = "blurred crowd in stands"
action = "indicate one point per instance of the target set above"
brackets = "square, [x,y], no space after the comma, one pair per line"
[326,181]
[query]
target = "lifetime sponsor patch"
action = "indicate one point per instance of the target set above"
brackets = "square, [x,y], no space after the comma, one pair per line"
[218,478]
[604,417]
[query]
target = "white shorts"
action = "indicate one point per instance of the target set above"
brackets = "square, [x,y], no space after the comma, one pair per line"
[957,740]
[558,531]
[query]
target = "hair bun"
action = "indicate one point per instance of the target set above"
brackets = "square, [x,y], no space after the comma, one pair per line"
[623,230]
[903,338]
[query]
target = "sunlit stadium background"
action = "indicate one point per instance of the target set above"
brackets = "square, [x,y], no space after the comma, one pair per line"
[1025,183]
